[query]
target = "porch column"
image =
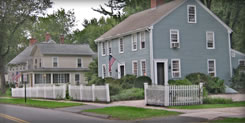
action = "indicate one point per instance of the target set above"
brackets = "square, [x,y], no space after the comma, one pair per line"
[33,79]
[51,78]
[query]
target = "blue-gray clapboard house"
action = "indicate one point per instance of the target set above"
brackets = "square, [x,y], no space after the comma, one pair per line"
[169,41]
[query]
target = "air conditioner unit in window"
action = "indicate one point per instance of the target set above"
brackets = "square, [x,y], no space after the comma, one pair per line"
[175,45]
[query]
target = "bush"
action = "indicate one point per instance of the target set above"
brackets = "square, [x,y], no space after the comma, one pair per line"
[215,85]
[97,81]
[129,94]
[139,82]
[179,82]
[209,100]
[238,80]
[127,81]
[196,78]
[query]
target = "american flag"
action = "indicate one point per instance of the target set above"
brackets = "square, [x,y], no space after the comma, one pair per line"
[111,61]
[18,74]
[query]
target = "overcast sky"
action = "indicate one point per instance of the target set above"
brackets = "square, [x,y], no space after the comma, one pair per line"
[82,9]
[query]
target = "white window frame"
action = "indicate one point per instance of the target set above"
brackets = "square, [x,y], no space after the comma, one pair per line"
[53,62]
[178,38]
[81,62]
[142,40]
[172,72]
[103,49]
[239,60]
[119,71]
[134,39]
[103,75]
[214,67]
[119,48]
[135,61]
[141,70]
[207,40]
[109,73]
[188,6]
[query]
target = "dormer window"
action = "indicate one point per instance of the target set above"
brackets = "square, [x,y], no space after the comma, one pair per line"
[174,38]
[191,11]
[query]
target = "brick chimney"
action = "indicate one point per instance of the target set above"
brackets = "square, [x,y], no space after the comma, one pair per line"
[32,41]
[156,3]
[47,37]
[62,39]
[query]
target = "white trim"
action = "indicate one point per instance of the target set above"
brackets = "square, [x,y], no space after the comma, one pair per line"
[119,70]
[133,37]
[110,46]
[57,61]
[229,43]
[140,37]
[179,68]
[108,71]
[178,38]
[240,53]
[103,73]
[195,8]
[207,40]
[151,54]
[102,49]
[119,48]
[81,62]
[239,60]
[215,73]
[107,50]
[212,14]
[135,61]
[165,61]
[141,70]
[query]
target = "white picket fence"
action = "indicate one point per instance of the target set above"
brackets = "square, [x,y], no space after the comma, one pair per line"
[171,95]
[48,92]
[90,93]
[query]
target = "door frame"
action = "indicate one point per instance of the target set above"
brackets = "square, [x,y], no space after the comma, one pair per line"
[119,70]
[165,61]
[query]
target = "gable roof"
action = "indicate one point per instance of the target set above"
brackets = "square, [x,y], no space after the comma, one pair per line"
[65,49]
[22,57]
[143,20]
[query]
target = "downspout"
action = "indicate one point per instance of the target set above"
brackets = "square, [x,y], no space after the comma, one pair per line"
[151,54]
[229,42]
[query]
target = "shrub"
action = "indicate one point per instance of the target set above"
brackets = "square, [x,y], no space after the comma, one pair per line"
[209,100]
[179,82]
[196,78]
[96,80]
[238,79]
[129,94]
[127,81]
[139,82]
[215,85]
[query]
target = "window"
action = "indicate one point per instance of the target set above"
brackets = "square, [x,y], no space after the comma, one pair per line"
[121,47]
[109,47]
[40,63]
[103,71]
[134,42]
[103,48]
[241,62]
[42,78]
[191,10]
[175,65]
[135,68]
[174,38]
[109,72]
[211,67]
[142,40]
[55,61]
[143,68]
[77,79]
[61,78]
[79,62]
[35,65]
[210,40]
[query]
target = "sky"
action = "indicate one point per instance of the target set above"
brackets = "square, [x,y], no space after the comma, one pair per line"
[82,9]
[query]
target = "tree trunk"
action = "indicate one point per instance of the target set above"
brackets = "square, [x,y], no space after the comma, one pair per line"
[2,74]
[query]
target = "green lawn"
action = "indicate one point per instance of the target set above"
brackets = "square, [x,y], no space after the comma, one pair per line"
[131,113]
[37,103]
[229,120]
[203,106]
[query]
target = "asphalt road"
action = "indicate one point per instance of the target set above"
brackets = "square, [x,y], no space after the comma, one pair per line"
[21,114]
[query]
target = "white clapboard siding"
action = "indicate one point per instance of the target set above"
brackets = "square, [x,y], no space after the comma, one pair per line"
[90,93]
[49,92]
[173,94]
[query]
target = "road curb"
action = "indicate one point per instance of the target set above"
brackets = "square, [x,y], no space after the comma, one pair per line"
[96,115]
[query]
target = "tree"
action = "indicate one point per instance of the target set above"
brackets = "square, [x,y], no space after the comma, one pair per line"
[60,22]
[13,14]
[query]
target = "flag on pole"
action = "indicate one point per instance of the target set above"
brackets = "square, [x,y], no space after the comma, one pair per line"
[18,74]
[111,61]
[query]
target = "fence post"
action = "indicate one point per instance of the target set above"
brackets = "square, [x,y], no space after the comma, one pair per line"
[64,92]
[93,89]
[201,93]
[69,90]
[145,88]
[107,92]
[166,95]
[81,92]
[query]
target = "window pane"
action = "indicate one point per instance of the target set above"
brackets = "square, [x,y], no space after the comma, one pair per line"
[79,62]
